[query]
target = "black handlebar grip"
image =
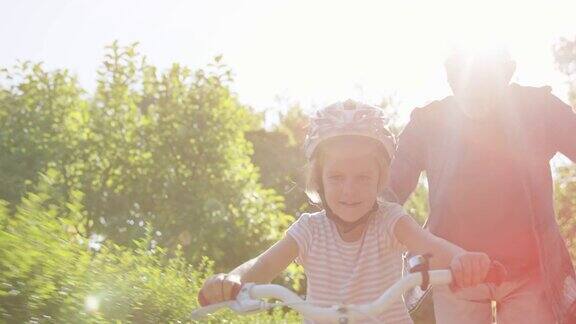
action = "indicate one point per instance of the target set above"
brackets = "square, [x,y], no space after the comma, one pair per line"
[497,273]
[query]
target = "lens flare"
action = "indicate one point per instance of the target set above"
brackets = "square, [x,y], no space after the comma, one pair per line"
[92,304]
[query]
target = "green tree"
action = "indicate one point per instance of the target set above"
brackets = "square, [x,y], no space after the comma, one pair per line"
[565,176]
[280,159]
[41,120]
[161,148]
[565,58]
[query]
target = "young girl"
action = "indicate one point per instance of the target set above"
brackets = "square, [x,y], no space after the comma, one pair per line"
[351,250]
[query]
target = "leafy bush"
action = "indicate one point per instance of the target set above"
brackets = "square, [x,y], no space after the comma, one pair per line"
[50,271]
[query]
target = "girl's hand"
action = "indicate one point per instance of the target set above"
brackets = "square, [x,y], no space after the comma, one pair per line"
[219,288]
[470,268]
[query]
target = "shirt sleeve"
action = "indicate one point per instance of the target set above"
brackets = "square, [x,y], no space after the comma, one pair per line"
[301,232]
[561,127]
[408,163]
[392,212]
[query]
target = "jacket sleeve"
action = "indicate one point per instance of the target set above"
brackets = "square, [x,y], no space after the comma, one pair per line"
[408,162]
[561,127]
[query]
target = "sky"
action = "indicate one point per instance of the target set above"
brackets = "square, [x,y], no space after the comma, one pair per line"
[299,51]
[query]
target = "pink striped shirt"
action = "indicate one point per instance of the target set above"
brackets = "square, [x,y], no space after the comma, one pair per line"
[340,272]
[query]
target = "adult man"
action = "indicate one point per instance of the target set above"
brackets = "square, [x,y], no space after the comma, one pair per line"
[486,153]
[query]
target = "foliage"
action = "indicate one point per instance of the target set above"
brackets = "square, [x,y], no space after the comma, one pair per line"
[280,159]
[565,57]
[565,176]
[161,148]
[50,273]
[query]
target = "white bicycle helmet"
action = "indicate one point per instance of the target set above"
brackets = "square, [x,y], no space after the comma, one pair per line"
[348,118]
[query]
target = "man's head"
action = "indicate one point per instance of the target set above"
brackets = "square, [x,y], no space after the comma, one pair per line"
[478,78]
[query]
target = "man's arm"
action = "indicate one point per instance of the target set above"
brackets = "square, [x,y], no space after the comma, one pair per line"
[561,127]
[408,163]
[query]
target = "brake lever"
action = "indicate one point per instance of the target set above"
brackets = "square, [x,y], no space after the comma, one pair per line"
[421,263]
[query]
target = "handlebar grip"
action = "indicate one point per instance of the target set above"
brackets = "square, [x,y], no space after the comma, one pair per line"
[497,273]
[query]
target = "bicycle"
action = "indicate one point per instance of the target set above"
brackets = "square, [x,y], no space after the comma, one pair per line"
[250,298]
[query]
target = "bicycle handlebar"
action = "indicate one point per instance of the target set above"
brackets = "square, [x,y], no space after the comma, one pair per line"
[249,298]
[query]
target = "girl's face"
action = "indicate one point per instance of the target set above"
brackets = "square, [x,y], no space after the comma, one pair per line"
[350,176]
